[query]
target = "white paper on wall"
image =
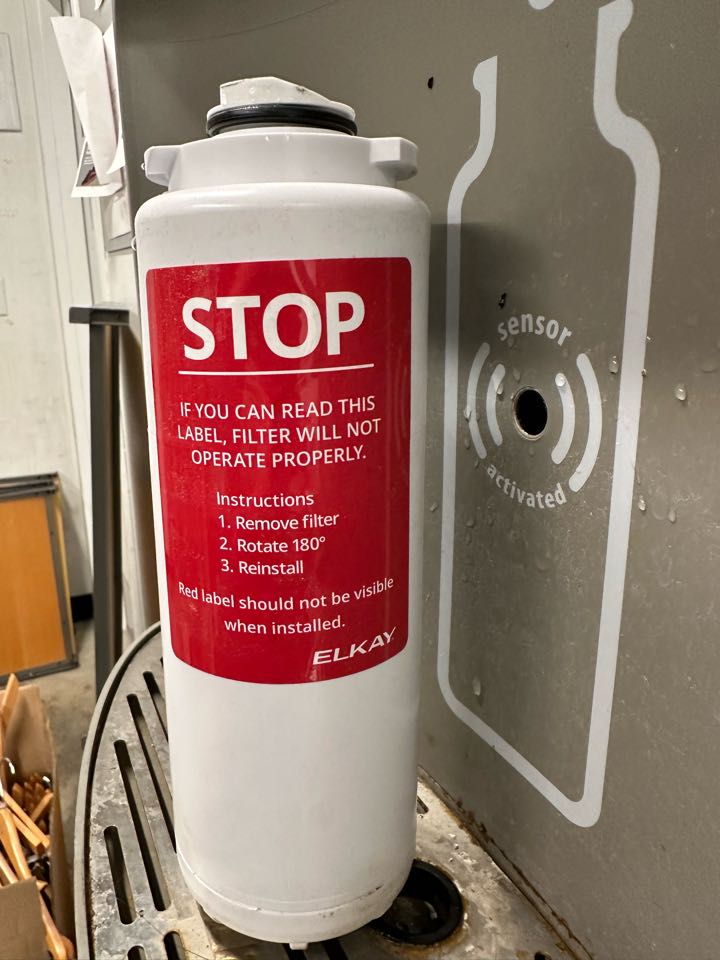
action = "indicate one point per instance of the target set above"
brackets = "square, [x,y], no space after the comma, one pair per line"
[82,49]
[118,161]
[86,181]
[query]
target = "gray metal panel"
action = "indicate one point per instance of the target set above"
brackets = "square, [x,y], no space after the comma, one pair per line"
[546,230]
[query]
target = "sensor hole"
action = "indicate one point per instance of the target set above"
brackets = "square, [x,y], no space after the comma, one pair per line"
[530,412]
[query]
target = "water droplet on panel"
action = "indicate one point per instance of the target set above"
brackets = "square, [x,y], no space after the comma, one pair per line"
[642,505]
[477,687]
[680,392]
[433,507]
[613,365]
[672,515]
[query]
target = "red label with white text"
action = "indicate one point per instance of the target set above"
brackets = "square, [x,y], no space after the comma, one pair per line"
[282,406]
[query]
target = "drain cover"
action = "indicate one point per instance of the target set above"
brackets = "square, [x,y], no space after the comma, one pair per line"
[427,910]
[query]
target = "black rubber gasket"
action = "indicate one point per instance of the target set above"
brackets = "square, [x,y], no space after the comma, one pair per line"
[427,910]
[290,114]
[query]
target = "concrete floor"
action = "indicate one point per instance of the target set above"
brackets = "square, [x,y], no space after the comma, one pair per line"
[70,698]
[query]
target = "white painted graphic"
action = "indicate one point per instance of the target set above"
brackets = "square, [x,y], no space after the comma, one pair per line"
[567,431]
[470,411]
[584,468]
[630,137]
[494,388]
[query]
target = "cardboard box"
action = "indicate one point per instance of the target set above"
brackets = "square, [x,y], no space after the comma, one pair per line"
[22,934]
[28,743]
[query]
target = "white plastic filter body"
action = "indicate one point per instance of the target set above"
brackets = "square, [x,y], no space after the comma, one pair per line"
[294,803]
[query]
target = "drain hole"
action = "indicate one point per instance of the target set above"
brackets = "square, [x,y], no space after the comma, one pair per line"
[542,956]
[136,953]
[157,698]
[334,950]
[119,874]
[148,852]
[153,764]
[530,411]
[427,910]
[174,947]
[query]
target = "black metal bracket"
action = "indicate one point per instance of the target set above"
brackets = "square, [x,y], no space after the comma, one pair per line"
[101,315]
[105,321]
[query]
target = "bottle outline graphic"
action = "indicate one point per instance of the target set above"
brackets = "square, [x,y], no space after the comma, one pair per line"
[629,136]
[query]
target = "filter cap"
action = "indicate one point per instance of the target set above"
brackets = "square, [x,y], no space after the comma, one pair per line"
[258,101]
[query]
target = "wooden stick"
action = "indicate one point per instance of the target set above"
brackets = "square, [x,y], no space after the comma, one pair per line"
[31,838]
[9,700]
[11,841]
[53,939]
[32,833]
[42,808]
[7,874]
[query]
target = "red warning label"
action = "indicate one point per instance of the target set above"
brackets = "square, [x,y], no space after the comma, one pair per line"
[282,406]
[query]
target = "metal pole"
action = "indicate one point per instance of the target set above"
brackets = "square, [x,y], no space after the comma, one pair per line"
[104,322]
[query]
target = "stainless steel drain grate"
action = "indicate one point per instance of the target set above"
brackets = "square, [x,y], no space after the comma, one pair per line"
[131,901]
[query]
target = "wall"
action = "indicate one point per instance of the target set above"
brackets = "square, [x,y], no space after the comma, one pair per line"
[37,413]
